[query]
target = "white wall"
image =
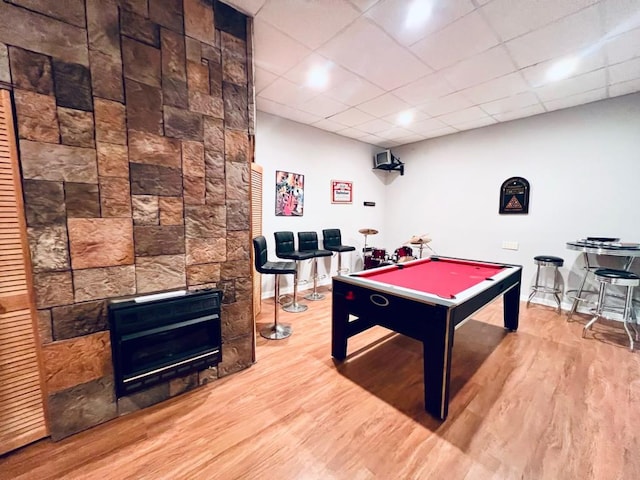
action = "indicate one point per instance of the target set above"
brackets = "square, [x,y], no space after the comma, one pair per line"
[583,165]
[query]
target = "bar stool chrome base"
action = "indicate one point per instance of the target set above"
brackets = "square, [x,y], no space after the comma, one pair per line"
[547,261]
[276,332]
[294,307]
[314,296]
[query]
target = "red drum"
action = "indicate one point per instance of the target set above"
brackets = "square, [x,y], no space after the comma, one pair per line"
[403,254]
[379,253]
[370,262]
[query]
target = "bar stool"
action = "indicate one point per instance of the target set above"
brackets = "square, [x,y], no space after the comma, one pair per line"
[332,241]
[547,261]
[285,248]
[622,278]
[277,331]
[308,242]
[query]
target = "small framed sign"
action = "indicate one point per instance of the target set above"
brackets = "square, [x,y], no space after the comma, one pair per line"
[514,196]
[341,191]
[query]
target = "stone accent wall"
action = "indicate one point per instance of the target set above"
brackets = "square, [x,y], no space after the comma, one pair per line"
[134,127]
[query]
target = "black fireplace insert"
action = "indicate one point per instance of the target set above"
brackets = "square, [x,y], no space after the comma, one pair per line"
[159,337]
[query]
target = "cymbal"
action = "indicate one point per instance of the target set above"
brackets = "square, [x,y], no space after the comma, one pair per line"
[368,231]
[419,239]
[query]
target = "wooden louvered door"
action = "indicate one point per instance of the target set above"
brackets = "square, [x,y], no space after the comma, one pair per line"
[256,229]
[22,415]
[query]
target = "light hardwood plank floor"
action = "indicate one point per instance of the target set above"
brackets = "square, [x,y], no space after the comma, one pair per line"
[542,403]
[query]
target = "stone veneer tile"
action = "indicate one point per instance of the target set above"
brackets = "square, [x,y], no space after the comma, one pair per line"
[203,273]
[144,398]
[152,149]
[233,46]
[167,13]
[236,115]
[5,71]
[141,7]
[211,53]
[141,62]
[215,79]
[206,104]
[139,28]
[46,161]
[158,240]
[205,221]
[171,210]
[44,326]
[71,362]
[238,215]
[237,318]
[238,243]
[36,116]
[30,71]
[244,287]
[237,355]
[183,384]
[109,282]
[234,70]
[174,92]
[76,127]
[43,203]
[33,31]
[113,160]
[214,165]
[72,83]
[183,124]
[145,210]
[198,77]
[82,200]
[79,319]
[160,273]
[173,55]
[228,288]
[144,107]
[205,250]
[115,198]
[207,376]
[106,76]
[48,247]
[213,132]
[198,21]
[192,158]
[237,181]
[102,28]
[231,270]
[193,49]
[110,122]
[194,190]
[236,145]
[53,288]
[100,242]
[69,11]
[155,180]
[215,191]
[81,407]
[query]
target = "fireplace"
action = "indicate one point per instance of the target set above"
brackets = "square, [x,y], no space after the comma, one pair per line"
[159,337]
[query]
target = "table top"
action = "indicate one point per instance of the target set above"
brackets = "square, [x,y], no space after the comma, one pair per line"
[443,280]
[619,249]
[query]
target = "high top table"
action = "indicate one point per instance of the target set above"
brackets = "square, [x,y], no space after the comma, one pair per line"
[616,249]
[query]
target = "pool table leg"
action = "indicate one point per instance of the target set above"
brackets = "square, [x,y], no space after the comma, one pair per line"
[437,346]
[339,320]
[511,307]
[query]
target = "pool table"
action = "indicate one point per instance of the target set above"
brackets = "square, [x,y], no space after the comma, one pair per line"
[425,299]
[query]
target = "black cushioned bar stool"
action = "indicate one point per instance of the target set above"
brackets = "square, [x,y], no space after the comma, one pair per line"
[276,331]
[332,241]
[308,242]
[285,248]
[622,278]
[537,287]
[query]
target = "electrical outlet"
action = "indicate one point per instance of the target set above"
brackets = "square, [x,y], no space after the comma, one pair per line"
[510,245]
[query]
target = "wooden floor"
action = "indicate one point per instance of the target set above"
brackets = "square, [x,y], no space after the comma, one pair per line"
[542,403]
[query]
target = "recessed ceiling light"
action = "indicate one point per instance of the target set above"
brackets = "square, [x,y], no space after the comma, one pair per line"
[562,69]
[404,118]
[318,77]
[418,13]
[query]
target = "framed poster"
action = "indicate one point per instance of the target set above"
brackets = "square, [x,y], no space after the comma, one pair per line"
[289,194]
[341,191]
[514,196]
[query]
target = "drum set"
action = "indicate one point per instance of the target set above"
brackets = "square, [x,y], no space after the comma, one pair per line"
[378,257]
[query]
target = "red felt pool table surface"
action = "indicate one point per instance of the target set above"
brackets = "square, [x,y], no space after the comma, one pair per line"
[443,277]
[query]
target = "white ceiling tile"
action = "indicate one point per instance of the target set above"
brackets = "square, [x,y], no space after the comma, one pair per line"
[373,55]
[323,106]
[463,38]
[536,74]
[417,116]
[462,116]
[580,99]
[392,16]
[448,104]
[351,117]
[284,111]
[249,7]
[623,72]
[328,125]
[440,132]
[371,139]
[384,105]
[375,126]
[512,18]
[621,15]
[522,113]
[353,90]
[364,5]
[623,47]
[310,23]
[478,123]
[425,126]
[353,133]
[424,89]
[263,79]
[411,139]
[286,92]
[573,86]
[515,102]
[624,88]
[276,52]
[501,87]
[486,66]
[395,133]
[569,34]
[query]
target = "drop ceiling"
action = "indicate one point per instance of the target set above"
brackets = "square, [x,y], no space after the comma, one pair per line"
[472,63]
